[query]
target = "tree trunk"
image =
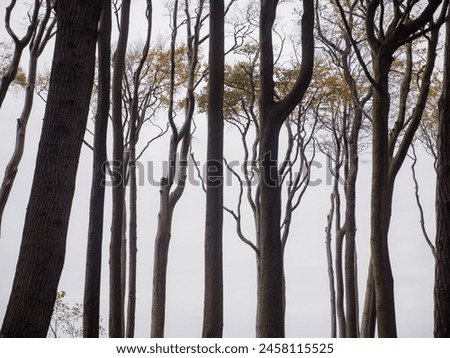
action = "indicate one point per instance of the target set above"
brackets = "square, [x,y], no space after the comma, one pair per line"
[272,116]
[330,269]
[91,302]
[213,300]
[442,269]
[369,313]
[350,228]
[160,263]
[42,252]
[381,197]
[124,247]
[134,137]
[271,306]
[116,308]
[340,280]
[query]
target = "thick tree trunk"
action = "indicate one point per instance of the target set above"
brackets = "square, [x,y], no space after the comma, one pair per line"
[42,252]
[442,270]
[271,302]
[272,116]
[213,300]
[91,302]
[270,290]
[381,204]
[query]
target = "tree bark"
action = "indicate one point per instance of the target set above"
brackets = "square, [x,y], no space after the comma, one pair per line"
[350,227]
[271,310]
[385,36]
[330,269]
[134,136]
[213,299]
[42,251]
[91,301]
[161,254]
[369,312]
[381,197]
[169,198]
[116,308]
[442,269]
[272,116]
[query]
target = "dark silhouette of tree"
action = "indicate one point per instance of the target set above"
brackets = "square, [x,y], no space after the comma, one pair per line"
[213,299]
[241,112]
[91,312]
[389,27]
[42,251]
[273,113]
[135,124]
[346,92]
[116,284]
[442,270]
[172,185]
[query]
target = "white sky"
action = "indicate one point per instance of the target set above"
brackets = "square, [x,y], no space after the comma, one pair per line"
[307,283]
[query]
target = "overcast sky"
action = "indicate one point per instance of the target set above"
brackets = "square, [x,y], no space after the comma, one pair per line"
[308,311]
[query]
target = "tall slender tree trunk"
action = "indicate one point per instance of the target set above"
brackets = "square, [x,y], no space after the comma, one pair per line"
[134,136]
[442,269]
[340,301]
[124,244]
[272,115]
[270,290]
[385,142]
[91,301]
[170,197]
[131,309]
[330,269]
[381,197]
[160,263]
[42,251]
[369,315]
[116,308]
[350,265]
[168,202]
[213,298]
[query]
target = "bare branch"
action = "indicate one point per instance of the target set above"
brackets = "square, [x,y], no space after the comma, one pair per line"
[419,204]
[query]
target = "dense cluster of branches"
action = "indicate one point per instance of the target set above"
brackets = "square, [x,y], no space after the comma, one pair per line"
[362,83]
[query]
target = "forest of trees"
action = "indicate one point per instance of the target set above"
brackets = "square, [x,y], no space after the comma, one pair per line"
[241,101]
